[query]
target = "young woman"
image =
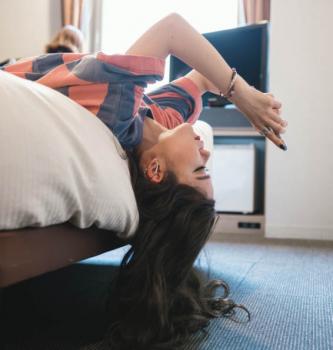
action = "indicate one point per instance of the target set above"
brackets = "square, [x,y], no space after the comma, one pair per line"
[158,299]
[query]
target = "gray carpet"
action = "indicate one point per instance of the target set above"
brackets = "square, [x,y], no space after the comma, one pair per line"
[287,285]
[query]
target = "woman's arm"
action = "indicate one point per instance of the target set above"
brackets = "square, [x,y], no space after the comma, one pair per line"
[174,35]
[202,83]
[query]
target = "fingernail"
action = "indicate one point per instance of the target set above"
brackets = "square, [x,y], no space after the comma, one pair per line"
[283,146]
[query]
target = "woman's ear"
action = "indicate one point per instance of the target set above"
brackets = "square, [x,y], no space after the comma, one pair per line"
[154,171]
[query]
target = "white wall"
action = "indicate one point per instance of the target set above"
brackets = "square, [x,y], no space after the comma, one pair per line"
[27,26]
[299,182]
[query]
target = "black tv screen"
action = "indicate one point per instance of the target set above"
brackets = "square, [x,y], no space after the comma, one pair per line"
[245,48]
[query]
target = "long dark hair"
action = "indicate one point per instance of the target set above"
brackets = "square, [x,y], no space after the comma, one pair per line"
[160,299]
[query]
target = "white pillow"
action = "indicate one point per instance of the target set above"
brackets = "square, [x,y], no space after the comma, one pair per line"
[59,163]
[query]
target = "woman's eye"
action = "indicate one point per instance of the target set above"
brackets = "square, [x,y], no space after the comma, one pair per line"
[203,169]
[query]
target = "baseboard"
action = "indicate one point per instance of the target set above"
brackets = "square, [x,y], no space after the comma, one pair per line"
[240,223]
[229,224]
[297,232]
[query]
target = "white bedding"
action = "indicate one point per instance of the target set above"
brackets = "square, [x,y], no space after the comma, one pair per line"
[59,163]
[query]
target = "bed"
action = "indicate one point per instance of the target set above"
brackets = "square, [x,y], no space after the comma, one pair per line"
[30,252]
[65,191]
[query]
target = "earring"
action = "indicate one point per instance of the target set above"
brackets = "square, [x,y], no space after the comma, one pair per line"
[155,171]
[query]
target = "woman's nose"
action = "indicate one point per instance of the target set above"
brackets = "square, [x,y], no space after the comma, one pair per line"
[205,154]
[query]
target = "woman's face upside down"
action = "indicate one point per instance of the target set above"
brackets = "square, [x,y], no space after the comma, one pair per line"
[186,156]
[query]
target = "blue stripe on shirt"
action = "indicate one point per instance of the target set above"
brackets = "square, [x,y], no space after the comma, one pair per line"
[185,106]
[45,63]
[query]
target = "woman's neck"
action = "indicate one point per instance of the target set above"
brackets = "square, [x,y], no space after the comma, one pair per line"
[151,133]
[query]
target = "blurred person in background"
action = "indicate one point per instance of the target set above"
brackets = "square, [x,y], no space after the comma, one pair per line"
[68,39]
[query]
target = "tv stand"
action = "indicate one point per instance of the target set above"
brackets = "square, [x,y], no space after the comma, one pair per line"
[240,223]
[224,117]
[229,122]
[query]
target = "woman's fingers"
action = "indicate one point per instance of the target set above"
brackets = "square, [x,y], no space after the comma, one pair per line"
[284,123]
[273,135]
[278,124]
[277,127]
[264,113]
[275,116]
[276,139]
[276,104]
[271,128]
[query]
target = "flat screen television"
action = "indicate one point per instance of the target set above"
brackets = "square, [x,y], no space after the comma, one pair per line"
[245,48]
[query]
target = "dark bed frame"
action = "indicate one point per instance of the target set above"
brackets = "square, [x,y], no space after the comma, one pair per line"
[30,252]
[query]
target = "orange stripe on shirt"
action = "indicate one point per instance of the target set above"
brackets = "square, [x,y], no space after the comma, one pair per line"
[136,64]
[59,77]
[191,88]
[24,66]
[87,97]
[167,117]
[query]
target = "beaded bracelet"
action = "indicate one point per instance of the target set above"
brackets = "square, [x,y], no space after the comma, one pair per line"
[231,88]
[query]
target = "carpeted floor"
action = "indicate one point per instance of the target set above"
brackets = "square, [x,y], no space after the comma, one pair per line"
[287,285]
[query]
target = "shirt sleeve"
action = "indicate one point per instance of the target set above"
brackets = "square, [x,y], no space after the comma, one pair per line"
[36,67]
[109,86]
[175,103]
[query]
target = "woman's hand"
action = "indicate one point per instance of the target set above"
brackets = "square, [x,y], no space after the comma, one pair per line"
[261,109]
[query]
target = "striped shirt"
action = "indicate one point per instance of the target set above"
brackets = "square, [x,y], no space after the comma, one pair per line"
[112,88]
